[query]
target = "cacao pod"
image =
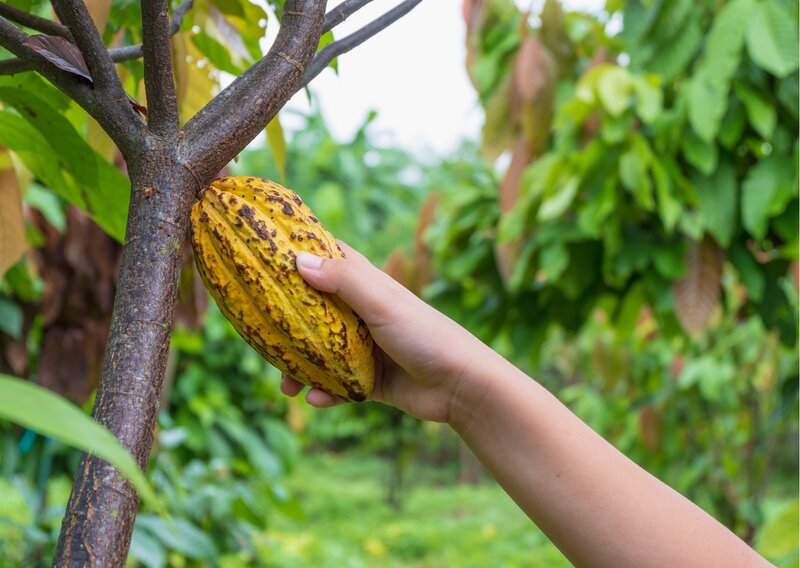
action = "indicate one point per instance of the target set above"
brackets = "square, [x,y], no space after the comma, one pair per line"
[246,234]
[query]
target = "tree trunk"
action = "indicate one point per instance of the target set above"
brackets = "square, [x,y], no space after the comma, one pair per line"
[100,516]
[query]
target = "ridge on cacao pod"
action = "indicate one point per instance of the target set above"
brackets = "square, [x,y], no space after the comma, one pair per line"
[246,233]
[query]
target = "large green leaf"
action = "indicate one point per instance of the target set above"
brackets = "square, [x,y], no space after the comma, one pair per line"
[717,195]
[767,189]
[709,87]
[772,38]
[39,409]
[760,111]
[50,146]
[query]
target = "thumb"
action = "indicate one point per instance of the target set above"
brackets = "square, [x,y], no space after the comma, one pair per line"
[374,295]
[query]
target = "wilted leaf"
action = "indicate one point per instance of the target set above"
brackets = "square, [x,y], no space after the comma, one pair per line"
[697,293]
[12,226]
[60,52]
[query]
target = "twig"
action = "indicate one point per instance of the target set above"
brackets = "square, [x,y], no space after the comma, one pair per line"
[33,21]
[158,81]
[343,11]
[338,47]
[118,54]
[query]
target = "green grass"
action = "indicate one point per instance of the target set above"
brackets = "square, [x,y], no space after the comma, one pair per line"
[348,523]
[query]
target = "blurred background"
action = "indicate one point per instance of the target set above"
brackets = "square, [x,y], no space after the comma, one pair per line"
[606,192]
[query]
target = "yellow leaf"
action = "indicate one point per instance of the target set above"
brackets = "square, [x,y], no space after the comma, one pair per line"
[202,83]
[12,225]
[277,145]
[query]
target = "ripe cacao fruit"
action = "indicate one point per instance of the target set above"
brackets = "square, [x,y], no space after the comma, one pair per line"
[246,234]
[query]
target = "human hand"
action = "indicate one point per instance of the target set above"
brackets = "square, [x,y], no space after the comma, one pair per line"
[423,357]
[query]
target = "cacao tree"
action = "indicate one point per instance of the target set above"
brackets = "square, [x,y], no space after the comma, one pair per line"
[88,86]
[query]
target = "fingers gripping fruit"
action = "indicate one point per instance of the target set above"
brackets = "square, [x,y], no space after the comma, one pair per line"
[246,234]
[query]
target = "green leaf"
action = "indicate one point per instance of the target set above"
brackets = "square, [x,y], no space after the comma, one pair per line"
[39,409]
[633,173]
[732,127]
[760,112]
[614,87]
[702,155]
[48,204]
[669,208]
[717,195]
[555,205]
[10,318]
[61,159]
[778,536]
[179,535]
[217,54]
[723,49]
[649,98]
[277,145]
[706,103]
[324,40]
[772,38]
[554,259]
[750,272]
[766,190]
[708,88]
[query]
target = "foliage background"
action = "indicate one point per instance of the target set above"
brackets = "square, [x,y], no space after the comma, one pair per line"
[634,247]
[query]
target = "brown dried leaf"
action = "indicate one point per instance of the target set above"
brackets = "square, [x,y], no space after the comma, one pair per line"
[532,96]
[506,253]
[697,294]
[650,427]
[398,266]
[12,224]
[423,258]
[99,10]
[532,68]
[60,52]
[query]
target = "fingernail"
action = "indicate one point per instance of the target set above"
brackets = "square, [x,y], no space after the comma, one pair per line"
[309,261]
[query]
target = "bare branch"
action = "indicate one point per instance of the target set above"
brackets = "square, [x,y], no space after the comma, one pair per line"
[235,116]
[158,81]
[77,18]
[33,21]
[343,11]
[333,50]
[118,54]
[119,120]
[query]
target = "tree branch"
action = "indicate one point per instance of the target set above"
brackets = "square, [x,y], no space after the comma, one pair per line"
[343,11]
[235,116]
[333,50]
[119,120]
[158,81]
[33,21]
[118,54]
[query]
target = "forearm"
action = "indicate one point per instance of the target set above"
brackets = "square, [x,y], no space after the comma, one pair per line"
[594,503]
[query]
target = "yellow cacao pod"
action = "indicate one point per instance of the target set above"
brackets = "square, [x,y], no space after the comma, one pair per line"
[246,234]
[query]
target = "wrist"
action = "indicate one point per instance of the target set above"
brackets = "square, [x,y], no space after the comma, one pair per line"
[471,388]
